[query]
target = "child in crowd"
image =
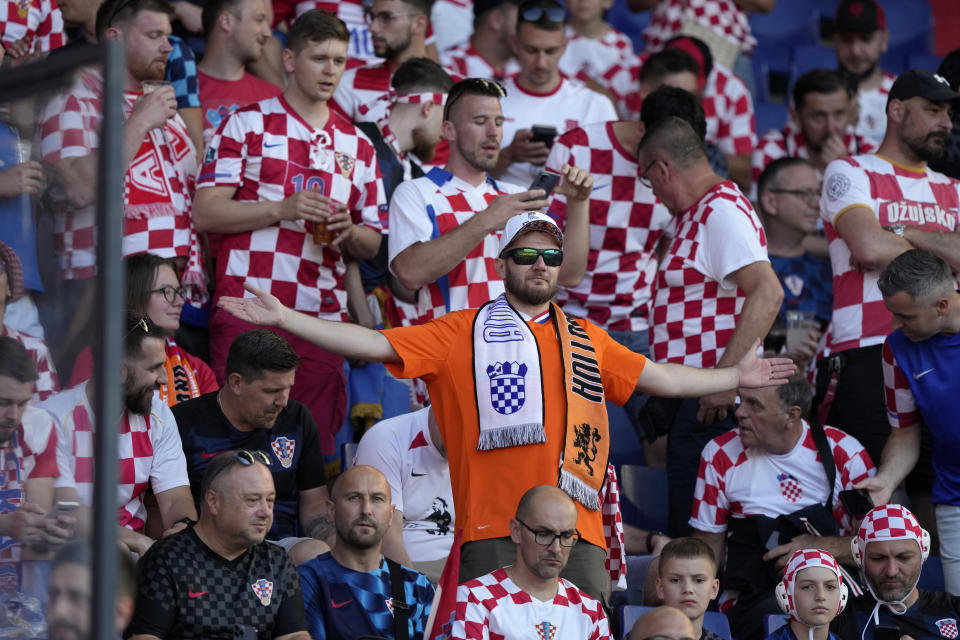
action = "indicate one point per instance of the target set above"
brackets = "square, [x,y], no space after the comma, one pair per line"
[593,46]
[813,593]
[688,580]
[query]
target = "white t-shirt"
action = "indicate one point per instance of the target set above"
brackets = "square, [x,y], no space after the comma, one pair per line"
[872,122]
[568,106]
[419,477]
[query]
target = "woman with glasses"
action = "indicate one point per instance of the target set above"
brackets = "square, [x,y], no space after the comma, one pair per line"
[154,291]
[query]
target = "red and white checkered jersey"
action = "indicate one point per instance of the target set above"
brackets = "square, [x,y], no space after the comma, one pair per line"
[872,123]
[350,11]
[902,408]
[734,482]
[696,303]
[40,21]
[47,383]
[569,106]
[149,449]
[626,222]
[722,16]
[31,452]
[466,62]
[590,58]
[431,206]
[790,143]
[915,197]
[363,86]
[728,108]
[621,80]
[268,152]
[494,607]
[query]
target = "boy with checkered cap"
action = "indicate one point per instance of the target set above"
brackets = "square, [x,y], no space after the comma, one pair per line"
[890,549]
[812,593]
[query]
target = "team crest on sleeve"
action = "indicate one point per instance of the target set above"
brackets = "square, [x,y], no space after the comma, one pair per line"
[264,590]
[211,154]
[837,186]
[947,628]
[789,487]
[283,447]
[507,388]
[546,631]
[346,162]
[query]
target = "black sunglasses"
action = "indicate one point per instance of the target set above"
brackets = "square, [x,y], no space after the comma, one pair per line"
[535,14]
[244,457]
[526,256]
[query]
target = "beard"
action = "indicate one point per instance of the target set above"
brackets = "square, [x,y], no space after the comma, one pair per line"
[139,402]
[390,51]
[424,147]
[930,147]
[525,292]
[358,540]
[62,630]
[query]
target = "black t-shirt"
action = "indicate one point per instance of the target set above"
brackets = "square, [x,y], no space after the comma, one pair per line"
[935,614]
[292,445]
[185,590]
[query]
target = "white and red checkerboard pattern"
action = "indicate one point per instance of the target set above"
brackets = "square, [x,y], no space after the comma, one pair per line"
[695,306]
[493,606]
[626,222]
[149,449]
[47,383]
[474,280]
[363,86]
[806,559]
[901,405]
[40,21]
[613,529]
[268,152]
[466,62]
[728,108]
[722,16]
[790,143]
[947,628]
[590,58]
[889,522]
[922,199]
[789,487]
[733,483]
[872,122]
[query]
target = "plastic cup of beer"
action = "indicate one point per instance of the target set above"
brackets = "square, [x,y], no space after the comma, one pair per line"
[24,150]
[321,235]
[149,86]
[798,325]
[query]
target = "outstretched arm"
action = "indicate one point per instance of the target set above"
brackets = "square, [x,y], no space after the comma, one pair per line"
[346,339]
[679,381]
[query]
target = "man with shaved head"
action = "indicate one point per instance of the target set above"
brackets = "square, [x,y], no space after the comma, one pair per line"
[529,593]
[663,623]
[353,590]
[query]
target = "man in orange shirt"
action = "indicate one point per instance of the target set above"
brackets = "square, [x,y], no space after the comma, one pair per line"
[516,386]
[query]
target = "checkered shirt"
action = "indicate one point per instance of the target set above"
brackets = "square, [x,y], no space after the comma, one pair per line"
[268,152]
[31,452]
[722,16]
[728,107]
[734,482]
[613,530]
[696,304]
[429,207]
[494,607]
[149,449]
[38,20]
[626,222]
[790,143]
[902,410]
[896,195]
[589,58]
[621,80]
[47,383]
[182,74]
[363,86]
[466,62]
[186,591]
[872,123]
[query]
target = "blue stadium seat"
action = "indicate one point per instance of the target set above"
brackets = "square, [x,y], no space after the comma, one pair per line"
[792,23]
[770,115]
[910,23]
[630,23]
[773,621]
[931,576]
[924,61]
[712,620]
[807,58]
[645,490]
[636,578]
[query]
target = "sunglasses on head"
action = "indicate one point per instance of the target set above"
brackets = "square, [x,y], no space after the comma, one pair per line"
[526,256]
[535,14]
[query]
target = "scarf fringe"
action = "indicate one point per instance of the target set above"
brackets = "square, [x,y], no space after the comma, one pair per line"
[512,436]
[136,211]
[579,490]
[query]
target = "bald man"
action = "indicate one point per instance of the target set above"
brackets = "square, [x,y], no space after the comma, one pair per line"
[349,591]
[664,623]
[529,594]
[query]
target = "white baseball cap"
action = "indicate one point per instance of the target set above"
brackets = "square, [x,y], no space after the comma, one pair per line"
[528,222]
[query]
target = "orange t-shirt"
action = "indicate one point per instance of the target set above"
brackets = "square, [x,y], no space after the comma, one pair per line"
[487,485]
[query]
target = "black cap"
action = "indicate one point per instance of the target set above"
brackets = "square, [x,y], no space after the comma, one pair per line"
[480,7]
[922,83]
[860,16]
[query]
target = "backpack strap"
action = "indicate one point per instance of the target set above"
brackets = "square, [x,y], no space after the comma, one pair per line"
[826,459]
[401,610]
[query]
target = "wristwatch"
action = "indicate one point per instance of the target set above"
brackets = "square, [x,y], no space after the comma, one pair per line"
[897,229]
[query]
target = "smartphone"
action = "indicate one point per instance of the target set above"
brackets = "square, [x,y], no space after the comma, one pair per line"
[857,502]
[547,180]
[62,508]
[884,632]
[543,133]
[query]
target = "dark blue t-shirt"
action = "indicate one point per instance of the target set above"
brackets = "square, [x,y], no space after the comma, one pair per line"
[807,283]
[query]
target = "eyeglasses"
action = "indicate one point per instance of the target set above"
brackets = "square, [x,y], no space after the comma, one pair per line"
[535,14]
[371,18]
[473,86]
[546,538]
[171,293]
[527,256]
[807,195]
[644,177]
[120,6]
